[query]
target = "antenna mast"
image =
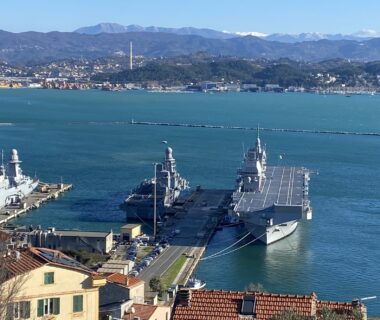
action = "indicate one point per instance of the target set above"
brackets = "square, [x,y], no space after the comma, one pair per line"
[130,56]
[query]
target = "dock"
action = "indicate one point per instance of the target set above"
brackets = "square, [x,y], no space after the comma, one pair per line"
[197,222]
[43,193]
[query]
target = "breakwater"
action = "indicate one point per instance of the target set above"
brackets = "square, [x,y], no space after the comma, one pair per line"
[211,126]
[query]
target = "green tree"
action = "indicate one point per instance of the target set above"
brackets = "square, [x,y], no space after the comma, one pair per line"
[156,284]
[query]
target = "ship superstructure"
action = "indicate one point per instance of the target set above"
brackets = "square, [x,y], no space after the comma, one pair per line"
[14,185]
[140,203]
[270,199]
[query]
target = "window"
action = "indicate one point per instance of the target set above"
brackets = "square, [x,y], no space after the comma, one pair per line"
[49,277]
[18,310]
[47,306]
[77,303]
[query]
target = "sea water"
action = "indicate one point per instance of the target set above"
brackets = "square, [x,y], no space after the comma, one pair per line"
[83,137]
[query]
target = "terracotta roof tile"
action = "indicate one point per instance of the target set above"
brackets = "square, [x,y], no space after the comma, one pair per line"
[123,279]
[144,311]
[218,305]
[4,236]
[22,262]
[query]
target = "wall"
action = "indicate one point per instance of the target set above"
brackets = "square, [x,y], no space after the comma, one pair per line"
[67,283]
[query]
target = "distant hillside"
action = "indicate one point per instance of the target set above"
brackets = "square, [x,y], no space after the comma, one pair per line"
[283,72]
[36,47]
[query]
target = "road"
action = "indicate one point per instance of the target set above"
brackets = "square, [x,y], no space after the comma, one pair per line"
[195,225]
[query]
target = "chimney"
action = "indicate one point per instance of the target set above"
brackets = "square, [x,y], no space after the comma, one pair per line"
[314,299]
[359,309]
[18,255]
[184,297]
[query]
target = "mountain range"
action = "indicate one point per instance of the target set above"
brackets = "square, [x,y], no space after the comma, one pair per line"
[36,47]
[106,27]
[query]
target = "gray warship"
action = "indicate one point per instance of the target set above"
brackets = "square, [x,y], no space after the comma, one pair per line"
[140,203]
[14,186]
[270,200]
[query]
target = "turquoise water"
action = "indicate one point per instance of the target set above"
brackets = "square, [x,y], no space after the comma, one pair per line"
[81,136]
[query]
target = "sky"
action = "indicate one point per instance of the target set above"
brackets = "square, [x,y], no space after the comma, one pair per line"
[267,16]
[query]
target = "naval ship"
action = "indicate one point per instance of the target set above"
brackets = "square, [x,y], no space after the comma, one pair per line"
[270,200]
[140,203]
[14,186]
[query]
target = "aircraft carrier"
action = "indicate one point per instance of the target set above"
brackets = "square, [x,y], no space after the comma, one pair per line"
[270,200]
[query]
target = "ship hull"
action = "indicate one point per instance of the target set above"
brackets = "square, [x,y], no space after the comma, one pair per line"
[10,195]
[271,234]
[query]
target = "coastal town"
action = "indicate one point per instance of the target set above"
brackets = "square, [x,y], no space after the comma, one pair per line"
[122,73]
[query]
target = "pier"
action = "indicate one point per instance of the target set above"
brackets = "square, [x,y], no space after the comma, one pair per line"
[44,193]
[210,126]
[196,223]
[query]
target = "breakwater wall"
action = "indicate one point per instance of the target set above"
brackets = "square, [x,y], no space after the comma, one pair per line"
[210,126]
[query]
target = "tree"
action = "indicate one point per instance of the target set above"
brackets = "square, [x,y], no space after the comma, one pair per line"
[10,285]
[289,315]
[156,285]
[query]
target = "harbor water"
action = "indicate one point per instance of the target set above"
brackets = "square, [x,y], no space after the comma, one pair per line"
[84,138]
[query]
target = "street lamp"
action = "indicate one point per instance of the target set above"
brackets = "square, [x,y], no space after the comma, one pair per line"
[155,202]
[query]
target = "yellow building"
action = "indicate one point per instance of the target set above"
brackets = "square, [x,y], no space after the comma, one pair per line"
[51,286]
[130,231]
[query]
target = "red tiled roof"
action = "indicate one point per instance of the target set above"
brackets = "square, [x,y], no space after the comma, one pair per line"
[144,311]
[4,236]
[223,305]
[123,279]
[25,262]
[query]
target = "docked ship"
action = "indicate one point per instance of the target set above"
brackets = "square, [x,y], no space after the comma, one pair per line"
[140,203]
[14,186]
[270,200]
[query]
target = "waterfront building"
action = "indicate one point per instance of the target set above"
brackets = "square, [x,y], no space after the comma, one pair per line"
[229,305]
[130,231]
[51,285]
[66,240]
[119,294]
[124,297]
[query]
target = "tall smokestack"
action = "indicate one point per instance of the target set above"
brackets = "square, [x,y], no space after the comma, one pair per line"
[130,56]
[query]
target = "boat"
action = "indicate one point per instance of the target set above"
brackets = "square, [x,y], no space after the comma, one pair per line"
[14,185]
[140,203]
[195,284]
[270,200]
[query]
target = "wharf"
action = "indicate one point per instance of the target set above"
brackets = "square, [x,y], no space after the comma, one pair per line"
[196,223]
[43,193]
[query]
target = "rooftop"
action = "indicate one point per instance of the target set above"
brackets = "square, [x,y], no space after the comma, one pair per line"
[227,305]
[78,233]
[123,279]
[23,261]
[143,311]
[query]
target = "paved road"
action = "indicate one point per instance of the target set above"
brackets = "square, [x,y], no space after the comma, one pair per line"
[195,225]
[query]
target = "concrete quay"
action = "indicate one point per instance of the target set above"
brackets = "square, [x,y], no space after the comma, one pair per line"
[43,193]
[197,222]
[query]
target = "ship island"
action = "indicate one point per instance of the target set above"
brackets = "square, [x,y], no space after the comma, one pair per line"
[270,200]
[164,189]
[14,185]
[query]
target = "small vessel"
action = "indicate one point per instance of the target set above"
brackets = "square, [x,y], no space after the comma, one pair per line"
[14,186]
[140,203]
[195,284]
[270,200]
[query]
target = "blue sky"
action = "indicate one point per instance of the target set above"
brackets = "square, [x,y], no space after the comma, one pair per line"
[268,16]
